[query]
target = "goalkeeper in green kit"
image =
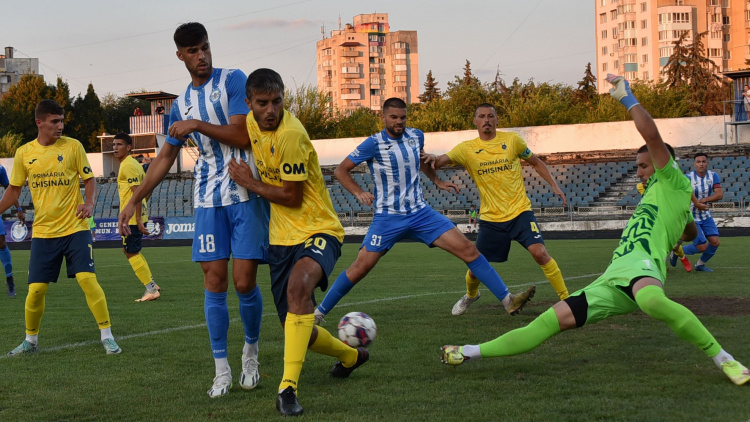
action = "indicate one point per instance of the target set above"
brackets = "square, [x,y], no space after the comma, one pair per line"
[635,276]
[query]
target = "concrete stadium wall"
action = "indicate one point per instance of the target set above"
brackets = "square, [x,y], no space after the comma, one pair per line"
[688,131]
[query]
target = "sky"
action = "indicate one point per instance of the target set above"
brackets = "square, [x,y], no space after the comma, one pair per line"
[126,46]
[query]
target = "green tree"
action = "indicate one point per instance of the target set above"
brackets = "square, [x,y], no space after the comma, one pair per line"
[87,120]
[360,122]
[116,111]
[431,90]
[18,104]
[312,108]
[9,143]
[586,86]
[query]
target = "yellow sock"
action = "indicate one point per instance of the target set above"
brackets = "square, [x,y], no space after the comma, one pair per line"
[472,285]
[553,274]
[141,269]
[35,307]
[95,298]
[326,344]
[679,252]
[297,331]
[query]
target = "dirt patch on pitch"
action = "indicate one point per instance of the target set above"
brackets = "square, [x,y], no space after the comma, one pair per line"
[729,306]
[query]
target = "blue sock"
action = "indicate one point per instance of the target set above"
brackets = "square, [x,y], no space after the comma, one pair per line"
[340,288]
[217,320]
[251,311]
[709,253]
[7,262]
[488,276]
[690,249]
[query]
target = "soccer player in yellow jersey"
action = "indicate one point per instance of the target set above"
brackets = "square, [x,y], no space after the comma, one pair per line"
[129,177]
[305,234]
[493,160]
[53,165]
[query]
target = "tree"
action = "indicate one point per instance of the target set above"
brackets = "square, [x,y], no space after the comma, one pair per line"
[586,86]
[9,143]
[18,104]
[116,111]
[469,78]
[312,108]
[361,122]
[431,91]
[689,65]
[87,121]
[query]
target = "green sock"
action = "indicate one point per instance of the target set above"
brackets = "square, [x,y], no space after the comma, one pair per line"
[681,320]
[521,340]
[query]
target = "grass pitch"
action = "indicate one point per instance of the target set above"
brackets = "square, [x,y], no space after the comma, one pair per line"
[622,369]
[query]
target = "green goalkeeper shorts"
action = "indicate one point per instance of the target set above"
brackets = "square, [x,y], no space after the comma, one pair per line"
[610,294]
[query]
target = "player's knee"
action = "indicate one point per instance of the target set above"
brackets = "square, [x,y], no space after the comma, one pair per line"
[714,241]
[702,247]
[653,303]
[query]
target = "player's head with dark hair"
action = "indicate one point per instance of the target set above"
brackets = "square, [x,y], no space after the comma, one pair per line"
[47,107]
[194,50]
[645,164]
[644,148]
[485,120]
[49,118]
[393,102]
[700,154]
[263,81]
[484,105]
[125,138]
[190,34]
[265,97]
[394,117]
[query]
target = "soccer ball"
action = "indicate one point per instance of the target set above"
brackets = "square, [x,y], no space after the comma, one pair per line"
[357,329]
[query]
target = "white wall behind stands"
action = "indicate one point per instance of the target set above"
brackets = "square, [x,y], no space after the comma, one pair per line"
[688,131]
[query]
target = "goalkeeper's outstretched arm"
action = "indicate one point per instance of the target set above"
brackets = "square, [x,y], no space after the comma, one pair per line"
[643,122]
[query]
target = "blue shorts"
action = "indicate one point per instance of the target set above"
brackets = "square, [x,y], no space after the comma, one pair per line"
[706,228]
[239,230]
[132,243]
[425,226]
[47,254]
[493,240]
[2,228]
[322,248]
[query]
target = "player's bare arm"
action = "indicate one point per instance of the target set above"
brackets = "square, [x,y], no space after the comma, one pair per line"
[700,206]
[10,197]
[435,161]
[431,174]
[156,172]
[86,209]
[718,195]
[234,134]
[288,195]
[343,174]
[139,215]
[542,169]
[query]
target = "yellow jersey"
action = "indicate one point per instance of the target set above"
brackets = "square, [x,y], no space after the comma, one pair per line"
[53,172]
[131,174]
[287,154]
[495,166]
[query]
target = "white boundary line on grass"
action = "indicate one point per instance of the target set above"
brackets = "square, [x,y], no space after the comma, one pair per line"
[364,302]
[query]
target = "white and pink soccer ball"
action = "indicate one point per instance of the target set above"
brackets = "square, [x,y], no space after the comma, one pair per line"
[357,329]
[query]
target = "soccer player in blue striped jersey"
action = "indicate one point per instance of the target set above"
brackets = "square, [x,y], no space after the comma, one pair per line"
[4,251]
[401,211]
[706,189]
[230,221]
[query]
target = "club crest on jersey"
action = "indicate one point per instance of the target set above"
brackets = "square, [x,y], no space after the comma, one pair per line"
[505,146]
[412,143]
[215,95]
[59,158]
[272,149]
[18,231]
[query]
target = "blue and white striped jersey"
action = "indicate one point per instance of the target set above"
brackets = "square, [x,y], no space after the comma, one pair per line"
[394,165]
[222,96]
[703,187]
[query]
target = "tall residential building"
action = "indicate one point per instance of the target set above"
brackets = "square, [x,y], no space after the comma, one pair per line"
[365,63]
[635,38]
[12,68]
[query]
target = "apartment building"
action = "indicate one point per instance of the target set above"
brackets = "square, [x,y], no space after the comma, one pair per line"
[635,38]
[12,68]
[364,63]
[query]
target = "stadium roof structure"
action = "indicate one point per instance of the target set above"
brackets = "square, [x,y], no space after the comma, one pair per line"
[152,96]
[736,74]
